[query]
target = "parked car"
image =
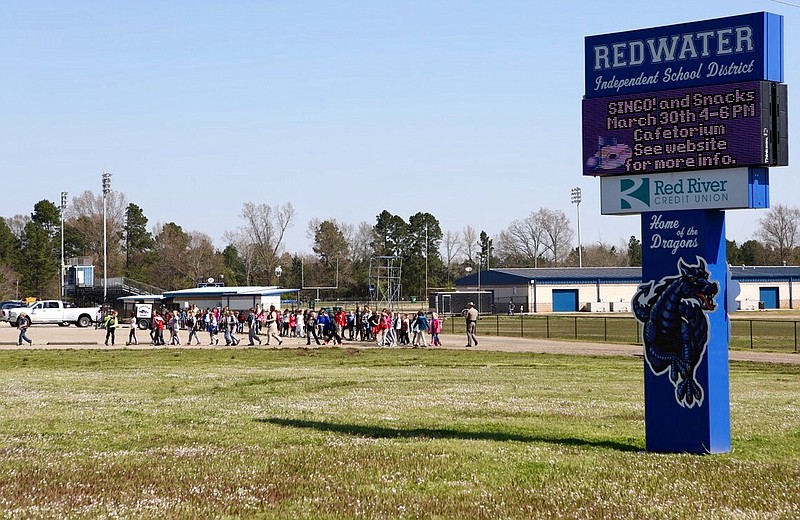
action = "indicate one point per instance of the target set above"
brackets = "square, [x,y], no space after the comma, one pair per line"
[9,304]
[55,311]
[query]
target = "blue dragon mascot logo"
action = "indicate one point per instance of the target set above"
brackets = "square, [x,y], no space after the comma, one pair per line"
[675,334]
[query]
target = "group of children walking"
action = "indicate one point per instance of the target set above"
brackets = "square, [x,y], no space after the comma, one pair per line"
[385,328]
[394,329]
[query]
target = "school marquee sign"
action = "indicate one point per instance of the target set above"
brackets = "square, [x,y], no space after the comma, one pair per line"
[681,123]
[723,50]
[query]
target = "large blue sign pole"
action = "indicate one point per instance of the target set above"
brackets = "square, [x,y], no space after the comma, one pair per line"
[682,305]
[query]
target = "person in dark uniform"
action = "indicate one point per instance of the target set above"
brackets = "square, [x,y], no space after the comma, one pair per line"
[471,316]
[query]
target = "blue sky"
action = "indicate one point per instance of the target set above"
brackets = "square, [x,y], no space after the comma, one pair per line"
[468,110]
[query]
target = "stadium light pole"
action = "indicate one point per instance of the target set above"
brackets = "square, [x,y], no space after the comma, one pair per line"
[63,208]
[468,269]
[426,263]
[576,199]
[480,266]
[106,191]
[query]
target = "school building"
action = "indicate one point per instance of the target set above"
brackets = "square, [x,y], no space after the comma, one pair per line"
[610,289]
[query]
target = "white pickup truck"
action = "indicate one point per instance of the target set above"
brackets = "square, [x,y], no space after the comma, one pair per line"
[54,311]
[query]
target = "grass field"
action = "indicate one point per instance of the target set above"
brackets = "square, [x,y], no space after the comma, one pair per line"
[380,433]
[775,334]
[772,331]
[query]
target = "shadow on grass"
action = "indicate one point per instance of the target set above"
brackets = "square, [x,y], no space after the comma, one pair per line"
[379,432]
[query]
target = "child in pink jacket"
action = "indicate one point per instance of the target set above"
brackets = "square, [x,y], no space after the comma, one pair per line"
[436,328]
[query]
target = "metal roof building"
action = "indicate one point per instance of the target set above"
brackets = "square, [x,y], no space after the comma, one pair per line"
[235,298]
[611,288]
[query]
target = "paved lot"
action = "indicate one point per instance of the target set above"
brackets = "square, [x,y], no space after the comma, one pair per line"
[55,337]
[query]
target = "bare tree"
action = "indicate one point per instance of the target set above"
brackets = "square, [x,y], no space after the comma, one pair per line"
[311,229]
[601,254]
[201,258]
[359,240]
[469,242]
[524,238]
[17,224]
[779,230]
[451,248]
[85,216]
[265,227]
[558,233]
[543,235]
[9,281]
[246,250]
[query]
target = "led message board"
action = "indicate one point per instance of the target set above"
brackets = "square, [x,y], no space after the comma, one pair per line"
[702,128]
[723,50]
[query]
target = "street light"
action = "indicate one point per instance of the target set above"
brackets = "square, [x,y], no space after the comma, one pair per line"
[576,199]
[106,191]
[63,208]
[278,272]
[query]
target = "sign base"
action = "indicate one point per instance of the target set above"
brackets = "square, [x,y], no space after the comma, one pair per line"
[682,305]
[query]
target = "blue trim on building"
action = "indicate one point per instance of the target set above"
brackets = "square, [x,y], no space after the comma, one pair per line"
[609,275]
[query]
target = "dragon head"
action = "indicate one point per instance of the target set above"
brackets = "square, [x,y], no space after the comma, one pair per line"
[695,284]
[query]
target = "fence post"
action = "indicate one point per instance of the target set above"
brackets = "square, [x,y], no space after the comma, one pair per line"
[547,326]
[576,327]
[577,332]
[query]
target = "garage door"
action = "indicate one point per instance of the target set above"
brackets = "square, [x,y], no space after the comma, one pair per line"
[769,295]
[565,300]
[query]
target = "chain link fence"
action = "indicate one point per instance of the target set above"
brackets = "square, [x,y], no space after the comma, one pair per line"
[757,334]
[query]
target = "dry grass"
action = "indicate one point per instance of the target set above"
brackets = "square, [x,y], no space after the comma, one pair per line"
[373,434]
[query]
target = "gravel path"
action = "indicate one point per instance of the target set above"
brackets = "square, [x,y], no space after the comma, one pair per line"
[55,337]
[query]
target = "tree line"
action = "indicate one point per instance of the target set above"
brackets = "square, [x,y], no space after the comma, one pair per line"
[170,257]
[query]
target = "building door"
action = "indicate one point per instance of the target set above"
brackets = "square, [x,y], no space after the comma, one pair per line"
[565,300]
[445,304]
[769,295]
